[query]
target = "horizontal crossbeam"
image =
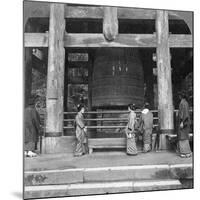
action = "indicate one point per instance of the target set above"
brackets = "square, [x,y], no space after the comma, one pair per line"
[97,40]
[36,40]
[42,10]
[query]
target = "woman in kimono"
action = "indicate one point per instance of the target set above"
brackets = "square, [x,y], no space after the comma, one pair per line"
[183,127]
[146,126]
[131,147]
[81,129]
[31,128]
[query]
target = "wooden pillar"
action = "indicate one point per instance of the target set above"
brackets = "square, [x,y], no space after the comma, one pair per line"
[92,132]
[55,77]
[66,83]
[27,66]
[165,102]
[110,23]
[148,76]
[90,73]
[27,75]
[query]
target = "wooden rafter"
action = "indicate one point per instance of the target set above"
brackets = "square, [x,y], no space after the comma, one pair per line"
[98,40]
[41,10]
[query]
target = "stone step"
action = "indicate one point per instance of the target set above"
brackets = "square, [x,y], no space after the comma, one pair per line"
[99,188]
[108,174]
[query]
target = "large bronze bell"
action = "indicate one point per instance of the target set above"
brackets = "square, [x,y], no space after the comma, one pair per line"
[117,78]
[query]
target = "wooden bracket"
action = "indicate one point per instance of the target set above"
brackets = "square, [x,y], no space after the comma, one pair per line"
[110,23]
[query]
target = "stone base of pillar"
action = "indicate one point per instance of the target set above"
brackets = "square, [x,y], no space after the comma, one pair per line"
[50,142]
[164,143]
[53,134]
[63,144]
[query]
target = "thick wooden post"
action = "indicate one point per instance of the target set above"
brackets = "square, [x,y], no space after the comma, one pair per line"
[66,83]
[27,75]
[90,72]
[55,77]
[27,68]
[165,103]
[92,132]
[148,76]
[110,23]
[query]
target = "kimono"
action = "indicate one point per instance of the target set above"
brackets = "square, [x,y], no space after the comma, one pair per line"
[146,126]
[32,128]
[81,137]
[131,147]
[183,133]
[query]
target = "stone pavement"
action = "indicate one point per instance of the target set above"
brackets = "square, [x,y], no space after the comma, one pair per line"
[58,175]
[101,159]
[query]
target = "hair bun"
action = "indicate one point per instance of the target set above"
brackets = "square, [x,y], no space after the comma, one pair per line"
[79,107]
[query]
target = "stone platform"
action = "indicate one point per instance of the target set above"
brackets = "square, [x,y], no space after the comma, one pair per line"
[105,172]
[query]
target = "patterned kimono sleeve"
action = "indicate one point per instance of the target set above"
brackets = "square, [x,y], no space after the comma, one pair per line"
[80,121]
[127,126]
[141,124]
[181,112]
[184,112]
[150,119]
[37,122]
[131,122]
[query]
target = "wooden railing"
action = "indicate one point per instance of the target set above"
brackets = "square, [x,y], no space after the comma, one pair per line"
[70,116]
[100,118]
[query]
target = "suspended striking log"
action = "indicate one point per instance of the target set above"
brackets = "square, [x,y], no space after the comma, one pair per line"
[110,23]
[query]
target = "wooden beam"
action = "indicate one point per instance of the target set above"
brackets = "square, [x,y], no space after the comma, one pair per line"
[110,23]
[42,10]
[36,39]
[165,102]
[180,41]
[135,13]
[142,13]
[90,12]
[55,76]
[98,40]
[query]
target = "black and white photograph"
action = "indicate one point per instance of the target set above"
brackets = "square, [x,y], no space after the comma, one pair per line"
[107,99]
